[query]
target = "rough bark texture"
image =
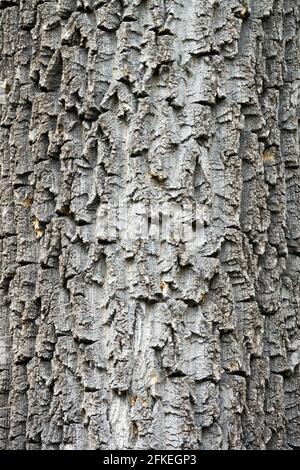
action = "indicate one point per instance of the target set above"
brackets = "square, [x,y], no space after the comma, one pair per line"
[149,345]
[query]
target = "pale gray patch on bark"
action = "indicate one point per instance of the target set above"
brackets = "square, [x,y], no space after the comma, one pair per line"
[119,344]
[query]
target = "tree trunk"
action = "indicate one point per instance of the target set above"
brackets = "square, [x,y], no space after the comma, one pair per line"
[111,338]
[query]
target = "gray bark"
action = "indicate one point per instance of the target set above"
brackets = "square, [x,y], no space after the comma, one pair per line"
[111,343]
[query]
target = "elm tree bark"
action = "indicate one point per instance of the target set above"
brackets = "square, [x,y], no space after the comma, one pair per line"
[112,343]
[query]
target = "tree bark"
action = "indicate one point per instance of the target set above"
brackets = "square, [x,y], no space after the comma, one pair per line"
[110,342]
